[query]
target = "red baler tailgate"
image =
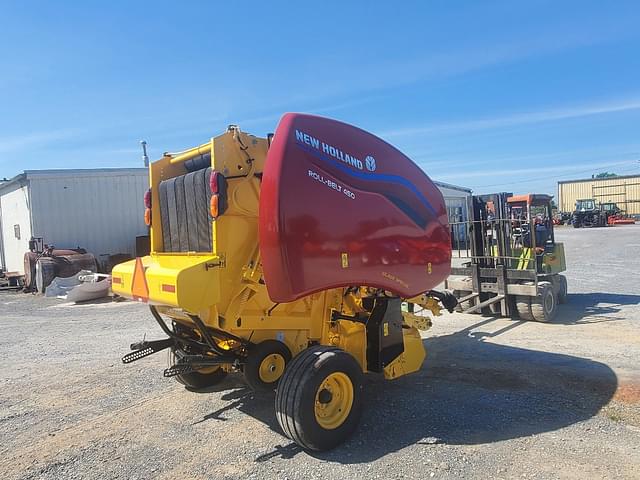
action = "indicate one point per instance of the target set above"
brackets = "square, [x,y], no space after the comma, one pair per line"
[340,207]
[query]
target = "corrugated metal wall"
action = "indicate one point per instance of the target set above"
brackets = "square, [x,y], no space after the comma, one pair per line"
[16,226]
[98,210]
[456,201]
[624,191]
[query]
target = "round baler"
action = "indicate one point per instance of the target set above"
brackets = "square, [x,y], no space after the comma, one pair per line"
[298,261]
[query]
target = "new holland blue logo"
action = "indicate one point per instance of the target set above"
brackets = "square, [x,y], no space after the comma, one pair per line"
[306,139]
[370,163]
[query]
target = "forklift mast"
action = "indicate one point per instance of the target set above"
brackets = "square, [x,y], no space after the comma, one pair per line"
[490,229]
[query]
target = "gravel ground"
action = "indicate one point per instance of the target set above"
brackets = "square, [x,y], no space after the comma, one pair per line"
[496,398]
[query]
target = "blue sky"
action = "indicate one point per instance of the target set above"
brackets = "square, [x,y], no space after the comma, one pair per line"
[492,95]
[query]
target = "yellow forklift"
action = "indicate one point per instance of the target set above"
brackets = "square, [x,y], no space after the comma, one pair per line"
[507,261]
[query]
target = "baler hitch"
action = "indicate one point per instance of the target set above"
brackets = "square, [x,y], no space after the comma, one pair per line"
[144,349]
[448,299]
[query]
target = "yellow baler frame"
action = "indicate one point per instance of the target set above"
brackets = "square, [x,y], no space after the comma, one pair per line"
[224,287]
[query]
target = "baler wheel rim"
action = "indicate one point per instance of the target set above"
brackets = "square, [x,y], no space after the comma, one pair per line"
[334,399]
[272,368]
[265,364]
[208,370]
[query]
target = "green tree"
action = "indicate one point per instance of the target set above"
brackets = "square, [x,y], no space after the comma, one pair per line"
[606,175]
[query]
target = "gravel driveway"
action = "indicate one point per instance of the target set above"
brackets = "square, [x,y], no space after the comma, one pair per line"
[497,398]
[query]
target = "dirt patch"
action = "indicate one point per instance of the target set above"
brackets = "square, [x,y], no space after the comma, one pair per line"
[628,393]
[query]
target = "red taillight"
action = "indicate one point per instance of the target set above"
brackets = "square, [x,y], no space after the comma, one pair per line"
[147,217]
[218,186]
[147,198]
[213,182]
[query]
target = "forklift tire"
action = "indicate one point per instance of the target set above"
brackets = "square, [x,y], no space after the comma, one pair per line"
[319,398]
[207,377]
[544,306]
[266,364]
[523,306]
[561,287]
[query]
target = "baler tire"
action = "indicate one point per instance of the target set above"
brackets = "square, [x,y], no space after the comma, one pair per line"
[255,369]
[300,404]
[544,306]
[523,306]
[197,380]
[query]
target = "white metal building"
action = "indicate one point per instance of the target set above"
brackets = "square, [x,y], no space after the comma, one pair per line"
[100,210]
[455,198]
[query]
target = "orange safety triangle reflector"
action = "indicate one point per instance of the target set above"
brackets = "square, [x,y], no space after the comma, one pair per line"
[139,288]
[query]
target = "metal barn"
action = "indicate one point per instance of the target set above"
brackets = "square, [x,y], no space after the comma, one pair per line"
[623,190]
[100,210]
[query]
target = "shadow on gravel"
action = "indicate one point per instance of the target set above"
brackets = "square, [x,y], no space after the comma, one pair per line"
[468,392]
[583,308]
[240,397]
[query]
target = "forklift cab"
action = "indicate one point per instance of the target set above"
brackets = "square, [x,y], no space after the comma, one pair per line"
[531,216]
[533,235]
